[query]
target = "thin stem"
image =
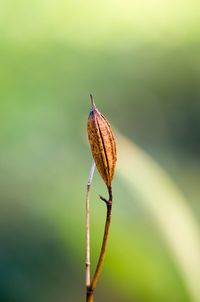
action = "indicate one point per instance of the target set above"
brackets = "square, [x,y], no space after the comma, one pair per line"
[103,248]
[87,227]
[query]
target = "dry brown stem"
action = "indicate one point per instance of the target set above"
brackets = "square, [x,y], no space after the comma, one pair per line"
[91,288]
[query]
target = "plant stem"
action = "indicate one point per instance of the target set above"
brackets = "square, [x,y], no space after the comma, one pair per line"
[90,289]
[87,227]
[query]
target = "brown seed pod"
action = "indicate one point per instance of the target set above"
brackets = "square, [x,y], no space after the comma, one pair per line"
[102,144]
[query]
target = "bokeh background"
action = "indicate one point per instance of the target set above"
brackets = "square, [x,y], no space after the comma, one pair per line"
[141,60]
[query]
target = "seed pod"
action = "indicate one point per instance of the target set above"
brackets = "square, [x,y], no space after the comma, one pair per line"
[102,144]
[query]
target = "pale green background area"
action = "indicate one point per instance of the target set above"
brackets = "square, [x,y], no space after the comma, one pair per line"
[141,61]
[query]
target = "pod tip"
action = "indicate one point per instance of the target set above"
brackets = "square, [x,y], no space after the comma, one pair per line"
[92,99]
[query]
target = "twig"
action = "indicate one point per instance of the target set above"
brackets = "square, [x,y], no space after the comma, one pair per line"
[103,149]
[90,291]
[88,228]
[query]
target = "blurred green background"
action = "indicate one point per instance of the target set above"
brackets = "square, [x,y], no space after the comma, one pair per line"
[141,61]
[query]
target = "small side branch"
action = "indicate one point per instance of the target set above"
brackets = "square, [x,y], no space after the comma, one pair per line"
[88,227]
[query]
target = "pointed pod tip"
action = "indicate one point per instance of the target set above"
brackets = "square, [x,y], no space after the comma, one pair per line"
[92,99]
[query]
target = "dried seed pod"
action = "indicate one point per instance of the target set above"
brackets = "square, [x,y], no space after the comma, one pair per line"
[102,144]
